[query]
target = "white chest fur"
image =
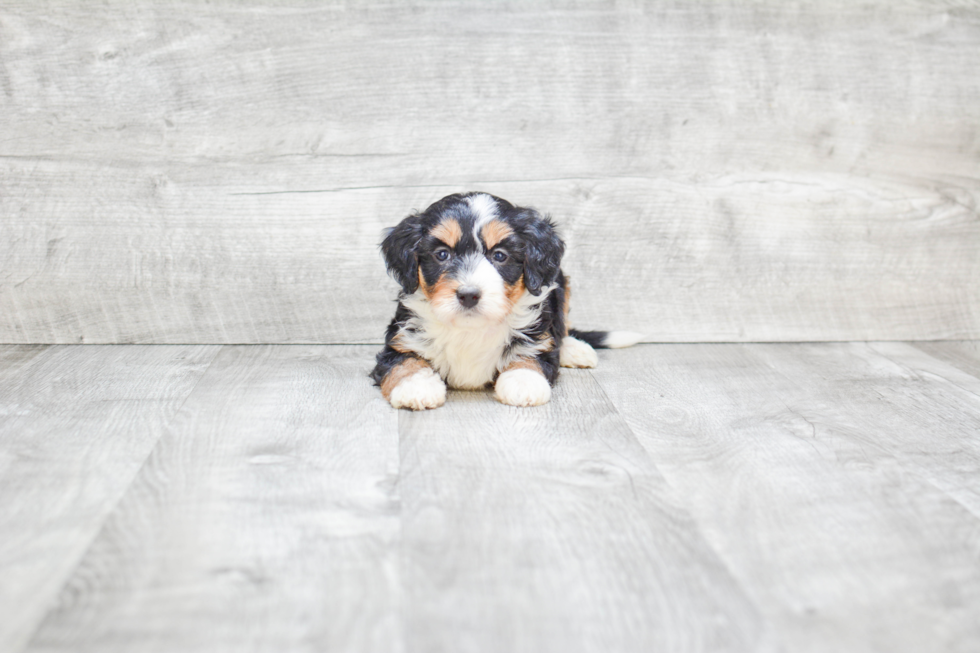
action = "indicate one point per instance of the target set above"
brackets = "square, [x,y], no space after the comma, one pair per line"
[468,357]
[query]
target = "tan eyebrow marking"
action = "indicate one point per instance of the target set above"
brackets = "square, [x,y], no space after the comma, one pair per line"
[495,231]
[448,231]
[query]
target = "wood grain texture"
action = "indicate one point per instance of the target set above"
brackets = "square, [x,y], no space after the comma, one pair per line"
[265,520]
[818,497]
[76,424]
[838,482]
[551,529]
[964,354]
[221,172]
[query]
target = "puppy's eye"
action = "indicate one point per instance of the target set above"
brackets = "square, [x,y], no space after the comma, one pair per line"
[499,256]
[442,254]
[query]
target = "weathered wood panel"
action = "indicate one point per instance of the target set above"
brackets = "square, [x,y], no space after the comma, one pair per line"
[839,482]
[221,172]
[552,530]
[265,520]
[76,425]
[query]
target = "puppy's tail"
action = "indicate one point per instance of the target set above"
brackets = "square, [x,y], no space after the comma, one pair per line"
[607,339]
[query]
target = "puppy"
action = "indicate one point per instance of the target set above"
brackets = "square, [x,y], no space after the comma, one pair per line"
[483,301]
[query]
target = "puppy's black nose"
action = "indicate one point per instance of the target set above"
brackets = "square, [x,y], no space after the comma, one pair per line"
[468,296]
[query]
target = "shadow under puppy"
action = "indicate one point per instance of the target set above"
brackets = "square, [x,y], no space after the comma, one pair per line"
[483,301]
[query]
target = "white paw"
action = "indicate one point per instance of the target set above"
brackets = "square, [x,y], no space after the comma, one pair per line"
[575,353]
[522,387]
[422,390]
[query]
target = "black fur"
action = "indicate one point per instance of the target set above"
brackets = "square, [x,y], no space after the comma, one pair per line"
[399,248]
[597,339]
[388,357]
[543,250]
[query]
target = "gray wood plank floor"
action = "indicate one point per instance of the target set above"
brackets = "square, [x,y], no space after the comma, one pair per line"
[820,497]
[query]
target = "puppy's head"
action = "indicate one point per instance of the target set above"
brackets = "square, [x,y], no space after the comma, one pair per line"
[473,256]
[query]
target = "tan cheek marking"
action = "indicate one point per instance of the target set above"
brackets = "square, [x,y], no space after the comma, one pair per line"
[513,293]
[495,231]
[525,364]
[443,290]
[423,286]
[547,343]
[399,373]
[448,232]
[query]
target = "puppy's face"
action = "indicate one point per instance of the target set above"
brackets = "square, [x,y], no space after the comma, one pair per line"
[473,256]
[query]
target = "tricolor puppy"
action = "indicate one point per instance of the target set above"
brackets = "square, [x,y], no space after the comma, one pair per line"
[483,301]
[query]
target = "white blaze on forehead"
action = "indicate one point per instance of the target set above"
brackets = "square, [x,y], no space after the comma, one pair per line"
[484,209]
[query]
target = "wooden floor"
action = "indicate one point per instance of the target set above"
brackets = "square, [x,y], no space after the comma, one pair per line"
[820,497]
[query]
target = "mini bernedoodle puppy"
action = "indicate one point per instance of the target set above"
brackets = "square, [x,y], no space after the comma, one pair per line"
[483,301]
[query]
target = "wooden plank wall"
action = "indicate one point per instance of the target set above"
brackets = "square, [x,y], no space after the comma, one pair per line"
[191,172]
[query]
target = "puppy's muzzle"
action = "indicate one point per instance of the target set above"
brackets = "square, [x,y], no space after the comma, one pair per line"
[468,296]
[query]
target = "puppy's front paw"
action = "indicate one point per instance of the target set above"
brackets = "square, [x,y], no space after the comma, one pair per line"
[422,390]
[522,387]
[575,353]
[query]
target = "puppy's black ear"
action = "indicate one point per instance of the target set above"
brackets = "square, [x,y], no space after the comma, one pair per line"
[543,250]
[400,250]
